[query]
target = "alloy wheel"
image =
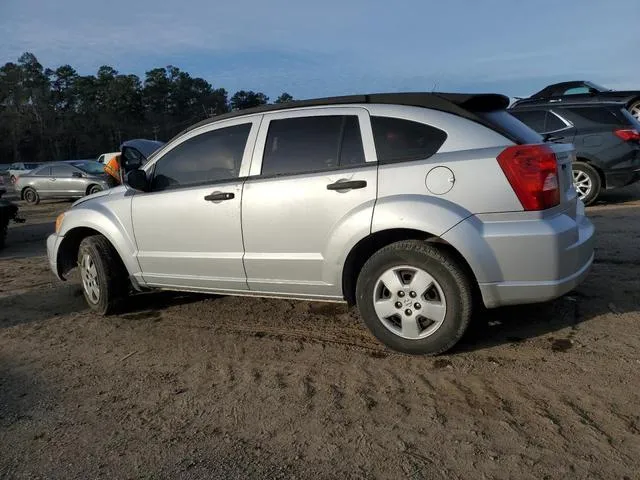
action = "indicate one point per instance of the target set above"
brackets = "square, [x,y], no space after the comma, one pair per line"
[582,183]
[89,274]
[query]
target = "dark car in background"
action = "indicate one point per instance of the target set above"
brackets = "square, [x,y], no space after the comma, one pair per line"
[606,137]
[71,179]
[580,91]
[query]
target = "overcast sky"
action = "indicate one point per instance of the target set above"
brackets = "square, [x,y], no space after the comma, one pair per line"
[331,47]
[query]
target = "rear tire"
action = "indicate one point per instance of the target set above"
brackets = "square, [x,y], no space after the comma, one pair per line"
[94,189]
[415,298]
[634,108]
[104,277]
[31,196]
[586,181]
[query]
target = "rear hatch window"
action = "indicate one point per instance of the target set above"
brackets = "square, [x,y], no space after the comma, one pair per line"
[503,121]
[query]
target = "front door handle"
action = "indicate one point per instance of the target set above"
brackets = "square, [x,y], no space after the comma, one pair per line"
[347,185]
[219,197]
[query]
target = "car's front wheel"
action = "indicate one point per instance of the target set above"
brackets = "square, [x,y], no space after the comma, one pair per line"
[586,181]
[31,196]
[94,189]
[104,279]
[415,297]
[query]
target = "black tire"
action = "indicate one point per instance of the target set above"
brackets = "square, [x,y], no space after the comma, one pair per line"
[111,275]
[445,269]
[94,189]
[31,196]
[594,178]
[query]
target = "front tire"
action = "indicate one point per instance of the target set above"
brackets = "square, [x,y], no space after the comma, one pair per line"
[104,278]
[94,189]
[415,298]
[31,196]
[586,181]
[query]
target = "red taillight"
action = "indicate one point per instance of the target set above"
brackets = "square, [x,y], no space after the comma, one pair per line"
[532,171]
[628,134]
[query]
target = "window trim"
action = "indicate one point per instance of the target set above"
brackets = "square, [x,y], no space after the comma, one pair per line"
[567,123]
[254,120]
[261,142]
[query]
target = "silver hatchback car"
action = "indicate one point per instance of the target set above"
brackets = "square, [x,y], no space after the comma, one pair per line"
[416,207]
[72,179]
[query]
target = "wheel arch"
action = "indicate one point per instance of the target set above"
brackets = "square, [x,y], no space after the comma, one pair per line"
[367,246]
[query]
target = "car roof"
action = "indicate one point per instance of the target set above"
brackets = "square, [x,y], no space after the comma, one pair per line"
[462,104]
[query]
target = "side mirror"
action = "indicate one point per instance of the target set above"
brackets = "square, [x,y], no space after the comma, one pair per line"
[137,179]
[76,175]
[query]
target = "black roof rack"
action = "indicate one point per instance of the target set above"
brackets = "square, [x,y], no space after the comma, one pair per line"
[461,104]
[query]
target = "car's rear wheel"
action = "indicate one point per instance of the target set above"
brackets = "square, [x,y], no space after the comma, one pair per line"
[94,189]
[31,196]
[586,181]
[415,297]
[634,108]
[104,278]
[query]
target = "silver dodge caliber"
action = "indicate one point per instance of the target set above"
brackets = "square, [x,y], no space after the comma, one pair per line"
[416,207]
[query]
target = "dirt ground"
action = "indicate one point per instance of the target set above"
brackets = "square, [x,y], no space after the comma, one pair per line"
[187,386]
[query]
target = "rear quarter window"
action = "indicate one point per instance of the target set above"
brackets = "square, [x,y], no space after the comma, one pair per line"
[399,140]
[505,123]
[597,115]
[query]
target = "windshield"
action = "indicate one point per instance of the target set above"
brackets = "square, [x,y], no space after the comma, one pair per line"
[93,168]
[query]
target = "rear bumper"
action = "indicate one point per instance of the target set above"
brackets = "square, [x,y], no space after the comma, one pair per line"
[525,261]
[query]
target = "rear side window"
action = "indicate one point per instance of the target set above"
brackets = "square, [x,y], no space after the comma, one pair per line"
[600,115]
[209,157]
[576,91]
[553,123]
[507,123]
[400,140]
[309,144]
[533,118]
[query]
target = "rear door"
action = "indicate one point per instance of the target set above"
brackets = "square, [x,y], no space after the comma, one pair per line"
[310,194]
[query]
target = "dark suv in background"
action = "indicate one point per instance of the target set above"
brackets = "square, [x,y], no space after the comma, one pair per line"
[606,137]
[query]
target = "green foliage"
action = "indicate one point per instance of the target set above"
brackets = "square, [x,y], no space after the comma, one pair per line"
[58,114]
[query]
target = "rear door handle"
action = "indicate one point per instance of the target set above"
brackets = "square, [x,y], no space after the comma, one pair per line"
[219,197]
[347,185]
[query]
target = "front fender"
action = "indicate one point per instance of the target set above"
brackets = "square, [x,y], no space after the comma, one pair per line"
[108,223]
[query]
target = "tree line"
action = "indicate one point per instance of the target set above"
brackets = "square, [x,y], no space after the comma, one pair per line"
[58,114]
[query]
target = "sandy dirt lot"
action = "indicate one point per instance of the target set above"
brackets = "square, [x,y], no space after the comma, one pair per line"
[187,386]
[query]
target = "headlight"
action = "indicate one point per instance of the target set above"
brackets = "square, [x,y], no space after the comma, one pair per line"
[59,222]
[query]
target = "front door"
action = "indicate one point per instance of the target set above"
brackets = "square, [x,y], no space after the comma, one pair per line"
[63,183]
[311,193]
[187,227]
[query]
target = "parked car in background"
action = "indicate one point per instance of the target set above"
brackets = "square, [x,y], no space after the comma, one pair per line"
[4,168]
[606,137]
[580,91]
[73,179]
[412,206]
[105,157]
[20,168]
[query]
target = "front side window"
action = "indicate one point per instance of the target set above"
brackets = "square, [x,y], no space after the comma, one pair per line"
[43,172]
[311,144]
[206,158]
[399,140]
[62,171]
